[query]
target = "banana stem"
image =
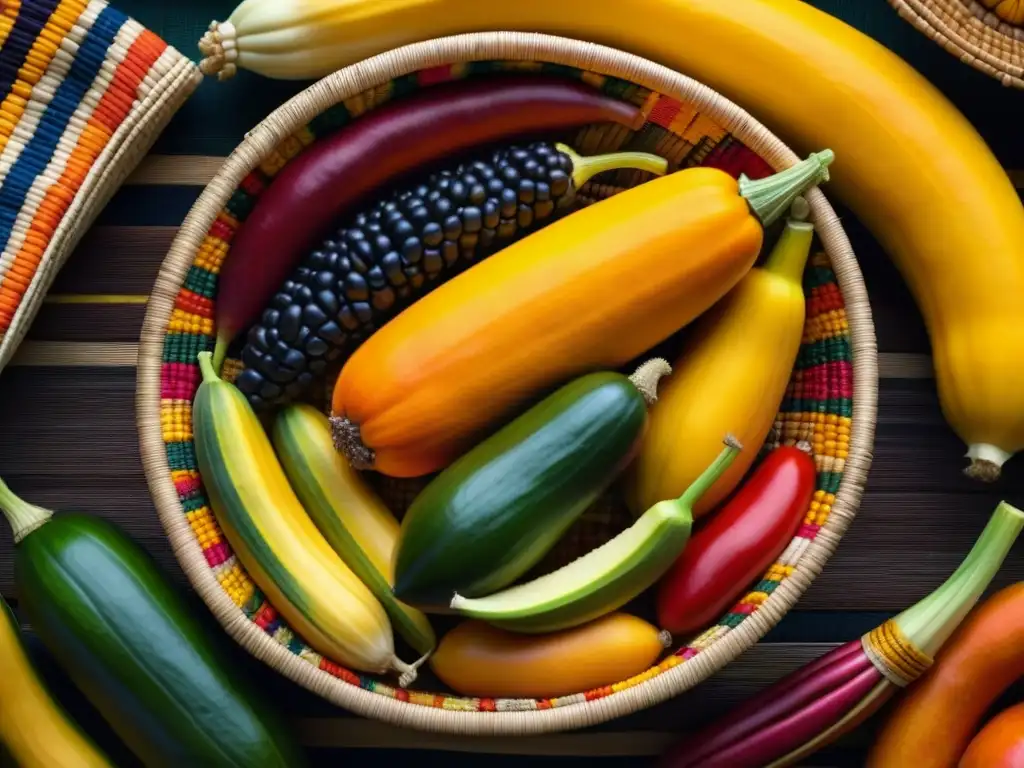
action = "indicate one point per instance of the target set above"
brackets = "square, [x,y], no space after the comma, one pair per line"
[207,368]
[22,516]
[929,623]
[586,168]
[710,475]
[771,197]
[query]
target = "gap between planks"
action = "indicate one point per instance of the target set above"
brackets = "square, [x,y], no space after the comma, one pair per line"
[72,354]
[199,170]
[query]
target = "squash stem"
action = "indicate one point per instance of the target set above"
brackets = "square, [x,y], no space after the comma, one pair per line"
[710,476]
[586,168]
[771,197]
[930,622]
[646,378]
[22,516]
[788,258]
[207,368]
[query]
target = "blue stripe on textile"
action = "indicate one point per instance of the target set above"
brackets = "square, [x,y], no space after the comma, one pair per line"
[32,17]
[36,155]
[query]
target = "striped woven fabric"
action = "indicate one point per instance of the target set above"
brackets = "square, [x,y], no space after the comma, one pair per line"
[83,92]
[817,407]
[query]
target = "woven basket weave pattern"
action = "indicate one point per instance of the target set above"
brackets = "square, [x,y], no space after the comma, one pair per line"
[974,32]
[819,405]
[85,92]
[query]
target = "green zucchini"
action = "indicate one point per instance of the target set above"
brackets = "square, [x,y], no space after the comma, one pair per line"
[496,511]
[126,639]
[606,578]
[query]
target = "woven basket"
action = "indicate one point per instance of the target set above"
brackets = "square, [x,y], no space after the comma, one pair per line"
[986,34]
[75,119]
[831,401]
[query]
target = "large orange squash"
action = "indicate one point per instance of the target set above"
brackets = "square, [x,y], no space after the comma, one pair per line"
[592,291]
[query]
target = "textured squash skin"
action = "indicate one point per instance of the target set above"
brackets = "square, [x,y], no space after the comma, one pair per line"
[128,641]
[476,659]
[497,510]
[35,732]
[590,292]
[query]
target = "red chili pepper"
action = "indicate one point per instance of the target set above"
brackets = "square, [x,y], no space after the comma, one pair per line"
[737,544]
[316,187]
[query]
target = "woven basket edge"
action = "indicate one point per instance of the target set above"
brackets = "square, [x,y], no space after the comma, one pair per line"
[354,79]
[927,21]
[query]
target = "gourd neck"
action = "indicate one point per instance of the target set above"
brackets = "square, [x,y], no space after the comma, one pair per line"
[207,369]
[771,197]
[24,518]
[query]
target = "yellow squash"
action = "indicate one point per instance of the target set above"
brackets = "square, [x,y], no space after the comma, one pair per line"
[911,167]
[476,659]
[729,379]
[592,291]
[34,729]
[277,542]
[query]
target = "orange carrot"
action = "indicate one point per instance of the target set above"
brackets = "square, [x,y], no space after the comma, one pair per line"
[1000,743]
[932,725]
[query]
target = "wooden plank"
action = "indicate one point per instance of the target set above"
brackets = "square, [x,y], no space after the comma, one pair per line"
[121,322]
[112,259]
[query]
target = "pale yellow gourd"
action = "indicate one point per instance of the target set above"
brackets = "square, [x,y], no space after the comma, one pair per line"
[729,379]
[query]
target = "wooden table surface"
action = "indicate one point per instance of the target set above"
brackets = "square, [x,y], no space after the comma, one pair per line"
[68,437]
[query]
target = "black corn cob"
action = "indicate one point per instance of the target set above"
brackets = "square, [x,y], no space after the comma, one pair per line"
[393,253]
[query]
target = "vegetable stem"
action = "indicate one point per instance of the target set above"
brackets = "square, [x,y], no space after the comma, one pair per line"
[647,376]
[930,622]
[771,197]
[586,168]
[788,258]
[710,476]
[207,368]
[220,351]
[22,516]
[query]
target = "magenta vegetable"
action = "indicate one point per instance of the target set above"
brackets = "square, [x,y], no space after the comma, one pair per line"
[308,195]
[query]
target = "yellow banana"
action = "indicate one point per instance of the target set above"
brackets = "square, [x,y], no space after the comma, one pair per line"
[909,164]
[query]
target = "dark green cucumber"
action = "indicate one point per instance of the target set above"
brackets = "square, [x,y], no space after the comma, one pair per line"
[127,640]
[496,511]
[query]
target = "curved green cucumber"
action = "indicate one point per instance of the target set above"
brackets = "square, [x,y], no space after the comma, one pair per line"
[496,511]
[606,578]
[356,524]
[127,640]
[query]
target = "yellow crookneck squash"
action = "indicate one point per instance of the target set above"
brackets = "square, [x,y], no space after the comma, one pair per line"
[589,292]
[729,379]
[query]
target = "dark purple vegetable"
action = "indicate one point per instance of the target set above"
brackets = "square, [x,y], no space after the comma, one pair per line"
[308,195]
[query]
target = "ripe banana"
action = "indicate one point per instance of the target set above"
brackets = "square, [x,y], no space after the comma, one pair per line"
[910,165]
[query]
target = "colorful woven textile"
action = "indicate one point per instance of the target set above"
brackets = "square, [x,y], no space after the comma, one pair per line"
[84,90]
[817,406]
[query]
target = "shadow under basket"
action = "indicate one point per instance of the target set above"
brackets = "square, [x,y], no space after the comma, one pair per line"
[830,402]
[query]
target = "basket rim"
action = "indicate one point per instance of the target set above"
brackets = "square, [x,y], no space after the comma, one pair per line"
[369,73]
[977,37]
